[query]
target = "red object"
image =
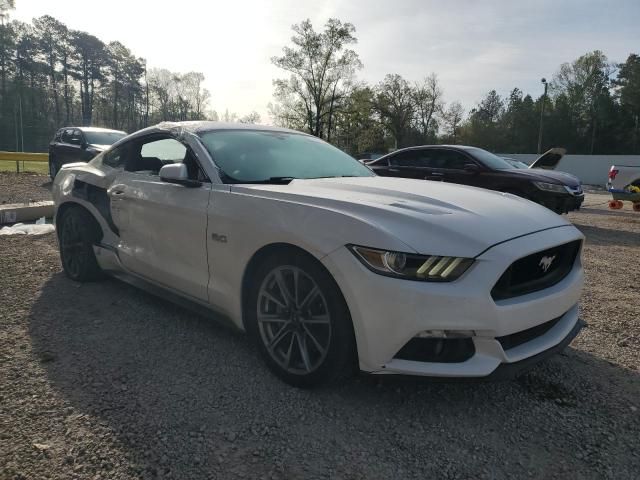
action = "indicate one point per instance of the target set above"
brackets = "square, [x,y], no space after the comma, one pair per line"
[636,207]
[612,173]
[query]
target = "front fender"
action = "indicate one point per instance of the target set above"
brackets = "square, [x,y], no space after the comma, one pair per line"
[240,225]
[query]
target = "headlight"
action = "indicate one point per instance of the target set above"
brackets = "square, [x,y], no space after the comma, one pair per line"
[428,268]
[550,187]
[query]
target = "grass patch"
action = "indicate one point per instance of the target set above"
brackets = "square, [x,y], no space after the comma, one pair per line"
[33,167]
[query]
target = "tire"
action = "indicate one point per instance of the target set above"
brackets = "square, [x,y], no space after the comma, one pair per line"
[305,338]
[78,232]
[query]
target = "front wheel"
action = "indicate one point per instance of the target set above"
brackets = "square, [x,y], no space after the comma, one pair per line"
[300,321]
[78,233]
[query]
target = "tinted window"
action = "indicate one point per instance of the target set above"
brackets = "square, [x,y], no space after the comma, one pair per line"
[67,135]
[103,138]
[489,159]
[450,159]
[412,158]
[254,156]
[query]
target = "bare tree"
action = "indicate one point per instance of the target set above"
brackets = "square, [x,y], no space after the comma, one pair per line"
[320,64]
[453,117]
[394,104]
[427,98]
[253,117]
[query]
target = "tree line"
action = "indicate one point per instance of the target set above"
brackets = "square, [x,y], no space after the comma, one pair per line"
[53,76]
[592,105]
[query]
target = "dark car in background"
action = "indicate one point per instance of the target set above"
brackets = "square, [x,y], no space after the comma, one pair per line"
[79,144]
[558,191]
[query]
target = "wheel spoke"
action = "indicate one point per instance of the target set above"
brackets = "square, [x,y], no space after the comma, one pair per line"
[284,291]
[287,357]
[267,295]
[272,318]
[302,346]
[317,320]
[313,293]
[296,275]
[279,336]
[315,341]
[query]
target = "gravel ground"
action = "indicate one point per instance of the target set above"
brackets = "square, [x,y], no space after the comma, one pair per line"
[24,187]
[102,381]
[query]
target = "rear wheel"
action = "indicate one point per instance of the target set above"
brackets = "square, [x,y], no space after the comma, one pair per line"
[300,321]
[78,233]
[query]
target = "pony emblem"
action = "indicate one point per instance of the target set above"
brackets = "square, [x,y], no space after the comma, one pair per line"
[545,263]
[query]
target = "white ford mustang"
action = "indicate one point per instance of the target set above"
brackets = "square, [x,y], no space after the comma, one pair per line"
[327,266]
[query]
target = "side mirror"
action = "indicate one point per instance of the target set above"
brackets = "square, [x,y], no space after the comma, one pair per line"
[177,173]
[471,168]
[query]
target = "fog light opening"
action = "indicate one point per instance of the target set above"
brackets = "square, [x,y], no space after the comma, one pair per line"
[446,334]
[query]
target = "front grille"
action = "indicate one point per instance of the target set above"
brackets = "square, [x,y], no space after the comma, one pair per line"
[515,339]
[438,350]
[537,271]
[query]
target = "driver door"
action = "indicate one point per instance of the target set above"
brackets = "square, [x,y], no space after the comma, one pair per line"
[162,226]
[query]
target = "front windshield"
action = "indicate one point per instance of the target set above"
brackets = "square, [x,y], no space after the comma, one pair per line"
[247,156]
[489,159]
[103,138]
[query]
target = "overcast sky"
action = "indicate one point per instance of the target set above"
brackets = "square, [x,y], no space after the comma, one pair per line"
[473,46]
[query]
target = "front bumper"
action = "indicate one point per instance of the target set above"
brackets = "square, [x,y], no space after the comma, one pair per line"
[387,313]
[559,203]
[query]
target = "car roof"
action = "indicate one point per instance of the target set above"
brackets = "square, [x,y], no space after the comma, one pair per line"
[419,147]
[195,127]
[93,129]
[206,126]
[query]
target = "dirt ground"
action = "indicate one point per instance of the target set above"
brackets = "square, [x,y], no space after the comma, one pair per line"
[24,187]
[102,381]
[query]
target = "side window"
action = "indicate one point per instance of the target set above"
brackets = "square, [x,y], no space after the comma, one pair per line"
[67,135]
[403,159]
[114,158]
[167,150]
[154,154]
[412,158]
[452,160]
[77,137]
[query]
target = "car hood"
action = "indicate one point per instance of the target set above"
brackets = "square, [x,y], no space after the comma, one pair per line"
[453,219]
[542,175]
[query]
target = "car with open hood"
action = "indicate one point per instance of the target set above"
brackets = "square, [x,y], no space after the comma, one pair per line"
[79,144]
[328,267]
[558,191]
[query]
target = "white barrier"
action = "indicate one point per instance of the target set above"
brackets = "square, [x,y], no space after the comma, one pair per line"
[590,169]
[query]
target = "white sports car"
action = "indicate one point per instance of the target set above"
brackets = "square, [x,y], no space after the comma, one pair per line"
[327,266]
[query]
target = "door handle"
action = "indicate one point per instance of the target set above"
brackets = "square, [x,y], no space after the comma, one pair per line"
[436,174]
[394,170]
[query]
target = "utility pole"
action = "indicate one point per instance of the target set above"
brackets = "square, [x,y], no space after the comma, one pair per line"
[635,136]
[544,101]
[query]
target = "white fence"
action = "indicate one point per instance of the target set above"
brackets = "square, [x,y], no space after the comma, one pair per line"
[591,169]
